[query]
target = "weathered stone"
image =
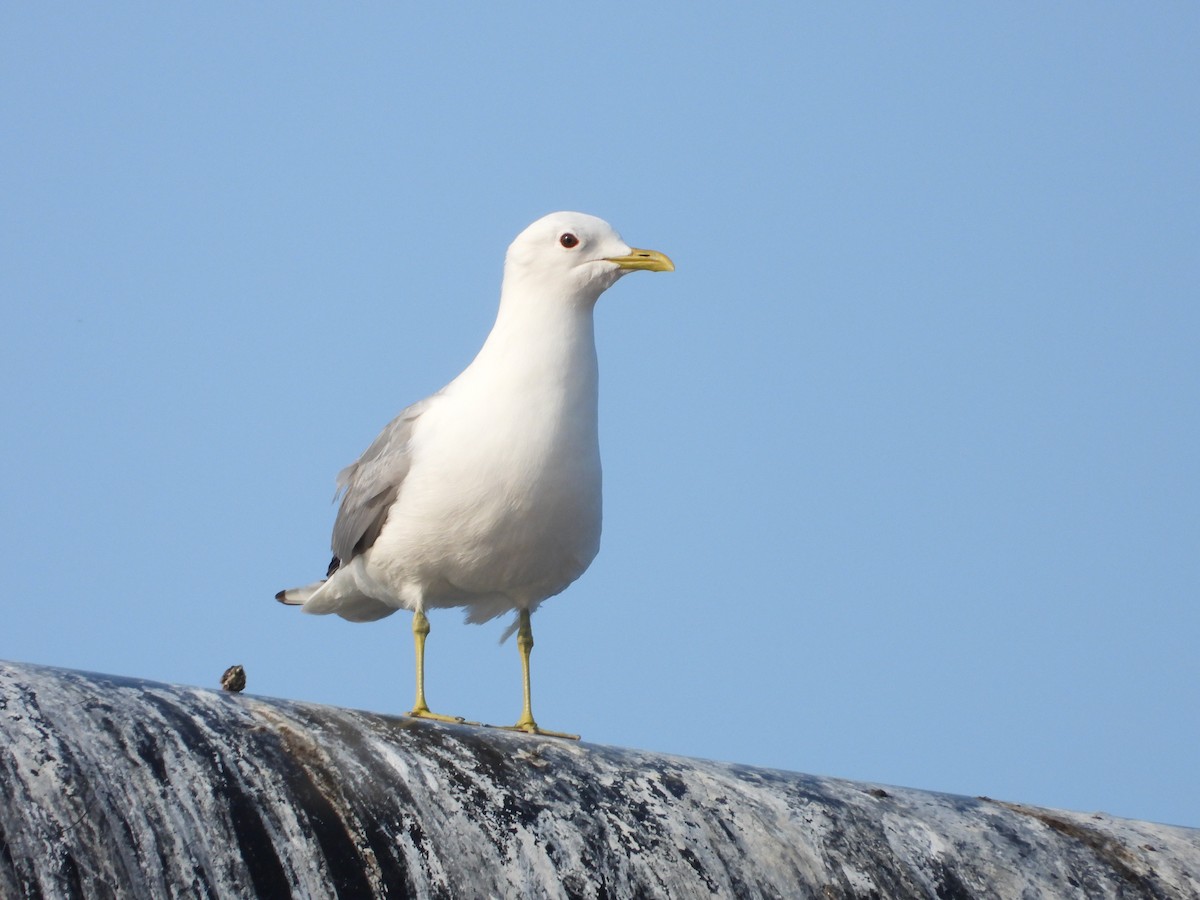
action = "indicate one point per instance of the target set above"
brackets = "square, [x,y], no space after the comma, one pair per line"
[116,787]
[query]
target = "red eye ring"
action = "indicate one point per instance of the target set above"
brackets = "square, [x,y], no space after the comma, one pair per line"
[569,240]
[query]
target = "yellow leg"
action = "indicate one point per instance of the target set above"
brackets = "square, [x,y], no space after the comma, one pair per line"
[525,645]
[420,707]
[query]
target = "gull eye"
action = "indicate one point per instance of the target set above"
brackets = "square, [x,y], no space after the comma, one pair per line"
[569,240]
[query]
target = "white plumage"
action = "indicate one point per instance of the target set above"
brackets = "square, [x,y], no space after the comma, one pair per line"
[487,494]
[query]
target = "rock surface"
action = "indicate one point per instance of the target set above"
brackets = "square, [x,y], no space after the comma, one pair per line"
[117,787]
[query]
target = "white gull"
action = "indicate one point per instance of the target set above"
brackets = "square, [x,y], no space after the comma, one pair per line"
[487,494]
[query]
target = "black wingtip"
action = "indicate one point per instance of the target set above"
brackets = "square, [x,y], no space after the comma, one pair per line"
[282,597]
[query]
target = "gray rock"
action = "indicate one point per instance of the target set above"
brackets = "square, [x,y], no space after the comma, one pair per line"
[115,787]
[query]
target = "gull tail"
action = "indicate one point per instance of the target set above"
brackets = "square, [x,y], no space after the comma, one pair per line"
[298,596]
[337,594]
[301,595]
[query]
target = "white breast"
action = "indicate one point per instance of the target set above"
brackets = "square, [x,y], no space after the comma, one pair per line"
[502,505]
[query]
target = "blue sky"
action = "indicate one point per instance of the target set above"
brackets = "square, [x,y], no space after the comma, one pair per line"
[901,465]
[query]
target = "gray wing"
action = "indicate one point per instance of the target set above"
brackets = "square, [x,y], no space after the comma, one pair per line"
[371,485]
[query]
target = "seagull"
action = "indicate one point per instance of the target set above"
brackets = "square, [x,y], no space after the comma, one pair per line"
[486,494]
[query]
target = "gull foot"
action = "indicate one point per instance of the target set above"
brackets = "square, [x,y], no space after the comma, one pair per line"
[424,713]
[532,728]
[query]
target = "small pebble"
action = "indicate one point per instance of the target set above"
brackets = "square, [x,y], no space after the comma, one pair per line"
[234,679]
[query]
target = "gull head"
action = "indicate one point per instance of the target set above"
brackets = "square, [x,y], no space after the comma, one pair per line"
[575,256]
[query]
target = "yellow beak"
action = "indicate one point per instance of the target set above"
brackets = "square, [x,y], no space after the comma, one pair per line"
[650,260]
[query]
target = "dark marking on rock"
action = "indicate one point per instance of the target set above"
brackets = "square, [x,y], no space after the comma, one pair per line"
[148,752]
[1109,851]
[950,887]
[255,846]
[675,785]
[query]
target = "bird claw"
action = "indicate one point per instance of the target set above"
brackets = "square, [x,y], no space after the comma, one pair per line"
[532,728]
[438,717]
